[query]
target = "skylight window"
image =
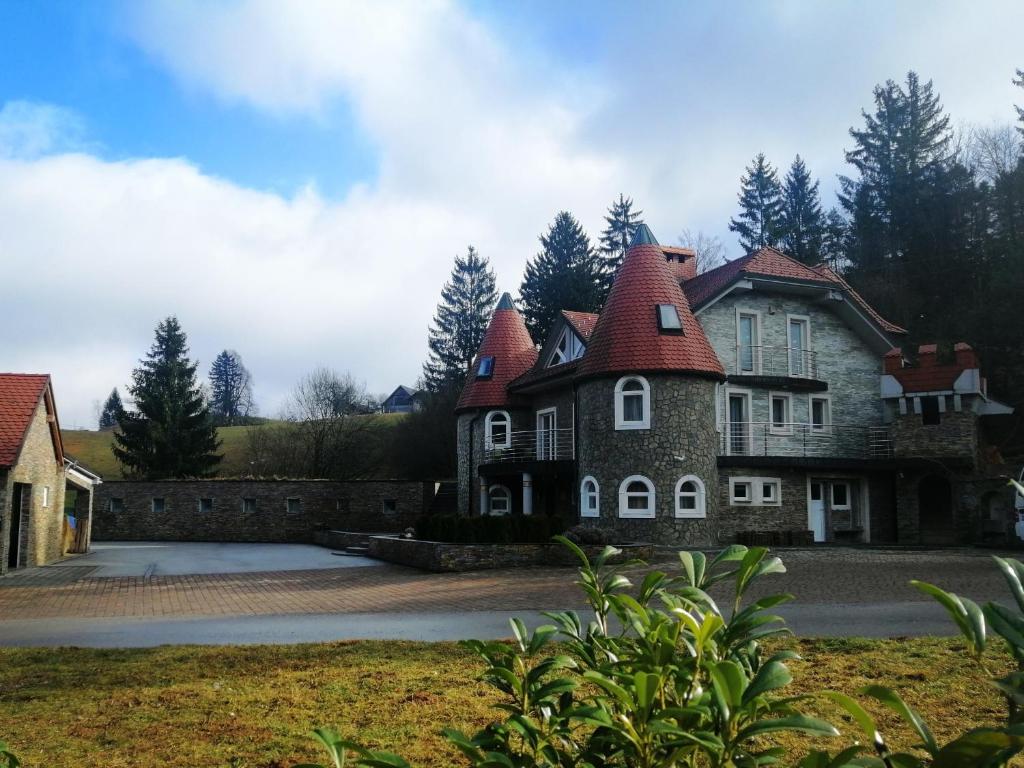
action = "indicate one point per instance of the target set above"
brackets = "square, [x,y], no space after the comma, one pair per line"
[486,367]
[668,318]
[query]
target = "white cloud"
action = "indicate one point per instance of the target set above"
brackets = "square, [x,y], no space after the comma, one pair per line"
[30,129]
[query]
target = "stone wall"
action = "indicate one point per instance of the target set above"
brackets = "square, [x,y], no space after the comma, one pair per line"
[789,515]
[681,441]
[353,505]
[42,530]
[955,436]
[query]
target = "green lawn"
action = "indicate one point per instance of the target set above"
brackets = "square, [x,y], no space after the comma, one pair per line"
[201,706]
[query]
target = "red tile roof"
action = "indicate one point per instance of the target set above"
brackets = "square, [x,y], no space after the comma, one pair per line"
[927,375]
[769,262]
[582,322]
[20,395]
[626,337]
[509,343]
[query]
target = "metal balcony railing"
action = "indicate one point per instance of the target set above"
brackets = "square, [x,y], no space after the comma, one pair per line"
[534,445]
[760,360]
[749,438]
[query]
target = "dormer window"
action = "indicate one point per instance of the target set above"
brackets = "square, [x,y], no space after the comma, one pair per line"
[485,369]
[569,348]
[668,319]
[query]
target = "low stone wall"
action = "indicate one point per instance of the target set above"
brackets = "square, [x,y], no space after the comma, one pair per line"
[343,539]
[442,557]
[286,511]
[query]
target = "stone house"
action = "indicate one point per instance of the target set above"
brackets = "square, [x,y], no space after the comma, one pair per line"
[757,402]
[36,526]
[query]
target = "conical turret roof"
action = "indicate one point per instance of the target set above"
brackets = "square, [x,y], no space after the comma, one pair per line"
[627,337]
[512,352]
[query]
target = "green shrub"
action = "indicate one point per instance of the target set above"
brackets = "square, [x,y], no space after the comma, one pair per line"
[507,529]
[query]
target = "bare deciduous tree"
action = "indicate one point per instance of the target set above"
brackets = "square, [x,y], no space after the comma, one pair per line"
[987,151]
[709,249]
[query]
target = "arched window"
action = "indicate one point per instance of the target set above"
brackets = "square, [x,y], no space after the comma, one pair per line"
[499,500]
[636,497]
[690,501]
[590,498]
[497,430]
[632,403]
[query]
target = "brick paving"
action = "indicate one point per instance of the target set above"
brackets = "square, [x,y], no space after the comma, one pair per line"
[815,576]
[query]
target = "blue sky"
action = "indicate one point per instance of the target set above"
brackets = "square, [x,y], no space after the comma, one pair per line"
[293,179]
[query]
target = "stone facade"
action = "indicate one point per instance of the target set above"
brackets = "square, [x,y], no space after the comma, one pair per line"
[42,518]
[956,435]
[279,510]
[681,441]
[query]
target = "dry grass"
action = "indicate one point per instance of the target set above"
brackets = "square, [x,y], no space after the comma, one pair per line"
[202,706]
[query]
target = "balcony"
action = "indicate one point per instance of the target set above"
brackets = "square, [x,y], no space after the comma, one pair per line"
[787,362]
[793,440]
[534,445]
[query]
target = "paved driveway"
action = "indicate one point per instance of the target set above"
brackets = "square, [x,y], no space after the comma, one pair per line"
[839,591]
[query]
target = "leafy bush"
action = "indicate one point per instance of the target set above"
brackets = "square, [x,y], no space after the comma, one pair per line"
[488,529]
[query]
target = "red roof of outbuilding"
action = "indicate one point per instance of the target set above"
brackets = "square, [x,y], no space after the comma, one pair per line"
[514,353]
[20,395]
[627,338]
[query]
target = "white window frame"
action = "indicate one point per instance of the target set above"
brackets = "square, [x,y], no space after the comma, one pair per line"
[288,505]
[787,426]
[700,498]
[489,443]
[574,348]
[755,352]
[748,394]
[805,362]
[620,408]
[46,496]
[585,510]
[547,452]
[646,514]
[757,498]
[490,500]
[826,427]
[832,494]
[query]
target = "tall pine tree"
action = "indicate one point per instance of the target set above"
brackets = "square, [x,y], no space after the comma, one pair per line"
[622,222]
[760,219]
[169,433]
[566,274]
[230,389]
[803,223]
[460,322]
[110,416]
[833,243]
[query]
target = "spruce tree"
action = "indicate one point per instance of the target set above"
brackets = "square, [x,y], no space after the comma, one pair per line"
[110,416]
[566,274]
[803,223]
[230,389]
[760,219]
[833,242]
[622,222]
[460,322]
[169,433]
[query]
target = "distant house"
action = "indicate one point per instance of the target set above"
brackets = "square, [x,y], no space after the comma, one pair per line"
[36,478]
[402,400]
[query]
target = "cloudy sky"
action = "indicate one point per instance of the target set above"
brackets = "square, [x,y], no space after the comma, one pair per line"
[293,180]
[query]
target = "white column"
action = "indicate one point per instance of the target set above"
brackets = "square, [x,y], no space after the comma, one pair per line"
[483,497]
[527,494]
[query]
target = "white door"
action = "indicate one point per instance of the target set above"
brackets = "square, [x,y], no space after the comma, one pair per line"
[816,511]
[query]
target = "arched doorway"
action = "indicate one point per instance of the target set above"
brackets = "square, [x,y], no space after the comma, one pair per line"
[935,510]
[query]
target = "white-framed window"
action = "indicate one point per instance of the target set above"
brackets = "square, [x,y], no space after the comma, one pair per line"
[820,412]
[739,430]
[249,506]
[46,496]
[568,348]
[840,495]
[499,500]
[632,403]
[547,434]
[293,506]
[590,498]
[690,499]
[755,491]
[497,430]
[157,505]
[748,341]
[780,406]
[205,506]
[798,336]
[636,497]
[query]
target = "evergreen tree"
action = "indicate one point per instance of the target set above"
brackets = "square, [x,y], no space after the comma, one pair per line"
[803,223]
[760,220]
[833,240]
[110,416]
[460,322]
[169,433]
[230,389]
[566,274]
[622,222]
